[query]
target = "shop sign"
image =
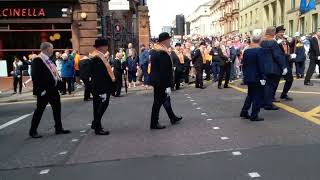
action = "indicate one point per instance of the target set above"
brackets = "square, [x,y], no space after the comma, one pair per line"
[22,12]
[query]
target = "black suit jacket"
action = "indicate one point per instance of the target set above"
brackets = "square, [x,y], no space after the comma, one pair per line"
[161,69]
[197,60]
[218,56]
[42,78]
[101,81]
[314,51]
[176,61]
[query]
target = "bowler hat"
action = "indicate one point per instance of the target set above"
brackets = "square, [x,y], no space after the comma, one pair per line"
[100,42]
[280,28]
[164,36]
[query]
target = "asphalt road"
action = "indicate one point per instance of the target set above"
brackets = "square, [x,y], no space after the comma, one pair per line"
[211,142]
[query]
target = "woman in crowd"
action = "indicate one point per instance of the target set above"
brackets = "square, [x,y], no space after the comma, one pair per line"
[67,73]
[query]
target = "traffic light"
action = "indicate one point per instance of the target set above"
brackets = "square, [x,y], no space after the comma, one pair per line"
[101,27]
[117,32]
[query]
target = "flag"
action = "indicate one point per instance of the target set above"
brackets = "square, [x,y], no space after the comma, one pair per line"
[307,5]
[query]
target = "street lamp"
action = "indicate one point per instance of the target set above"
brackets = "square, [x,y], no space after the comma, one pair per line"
[83,16]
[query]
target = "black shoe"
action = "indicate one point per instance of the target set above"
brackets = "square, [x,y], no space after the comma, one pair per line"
[62,131]
[158,126]
[275,100]
[226,87]
[287,98]
[175,120]
[245,115]
[308,83]
[101,132]
[35,135]
[219,87]
[271,108]
[197,87]
[257,119]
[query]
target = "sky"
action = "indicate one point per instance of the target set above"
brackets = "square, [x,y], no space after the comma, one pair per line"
[163,12]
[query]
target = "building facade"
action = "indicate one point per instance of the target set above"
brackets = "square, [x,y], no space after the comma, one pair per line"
[216,14]
[200,23]
[230,16]
[251,16]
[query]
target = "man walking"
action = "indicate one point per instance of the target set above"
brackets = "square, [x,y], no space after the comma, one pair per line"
[161,80]
[46,84]
[198,61]
[314,58]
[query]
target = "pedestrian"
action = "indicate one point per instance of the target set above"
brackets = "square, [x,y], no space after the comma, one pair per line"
[275,66]
[118,73]
[102,83]
[29,63]
[84,73]
[143,62]
[17,75]
[187,63]
[178,65]
[198,61]
[225,65]
[46,84]
[233,57]
[300,57]
[76,66]
[216,60]
[131,67]
[67,74]
[207,65]
[161,80]
[254,78]
[314,54]
[58,62]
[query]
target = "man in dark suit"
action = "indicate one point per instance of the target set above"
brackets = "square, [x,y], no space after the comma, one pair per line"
[254,78]
[118,72]
[84,67]
[46,83]
[314,54]
[178,64]
[198,63]
[102,83]
[285,49]
[225,66]
[161,79]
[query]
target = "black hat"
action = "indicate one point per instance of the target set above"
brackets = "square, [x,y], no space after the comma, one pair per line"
[177,44]
[163,36]
[203,43]
[280,28]
[100,42]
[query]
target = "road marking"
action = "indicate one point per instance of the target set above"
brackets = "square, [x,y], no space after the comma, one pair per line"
[204,114]
[216,128]
[198,108]
[254,175]
[83,131]
[74,140]
[192,100]
[189,97]
[15,121]
[186,94]
[302,92]
[237,153]
[45,171]
[63,153]
[224,138]
[194,104]
[88,124]
[209,119]
[83,135]
[314,111]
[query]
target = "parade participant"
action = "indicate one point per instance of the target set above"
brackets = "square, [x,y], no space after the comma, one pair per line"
[207,63]
[198,63]
[314,53]
[84,72]
[187,65]
[298,49]
[275,66]
[285,49]
[161,79]
[225,65]
[102,83]
[17,75]
[254,78]
[118,72]
[178,65]
[46,85]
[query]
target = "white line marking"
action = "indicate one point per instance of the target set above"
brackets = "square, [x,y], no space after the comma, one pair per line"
[204,114]
[83,135]
[216,128]
[83,131]
[189,97]
[74,140]
[198,108]
[194,104]
[209,119]
[254,175]
[186,94]
[15,121]
[191,100]
[237,153]
[224,138]
[205,152]
[63,153]
[45,171]
[88,124]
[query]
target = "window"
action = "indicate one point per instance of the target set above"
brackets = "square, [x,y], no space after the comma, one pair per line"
[293,4]
[291,27]
[251,17]
[315,22]
[302,25]
[246,20]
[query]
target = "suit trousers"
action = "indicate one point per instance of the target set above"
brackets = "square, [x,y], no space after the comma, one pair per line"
[178,74]
[199,77]
[300,67]
[270,89]
[52,97]
[254,99]
[17,81]
[224,70]
[186,74]
[65,81]
[311,69]
[87,88]
[160,99]
[99,108]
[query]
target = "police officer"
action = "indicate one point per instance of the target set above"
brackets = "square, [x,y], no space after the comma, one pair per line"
[161,79]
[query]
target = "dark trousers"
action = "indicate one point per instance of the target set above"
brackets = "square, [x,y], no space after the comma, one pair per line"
[118,84]
[215,70]
[160,99]
[53,98]
[270,89]
[254,99]
[99,107]
[300,68]
[312,67]
[186,74]
[288,84]
[207,71]
[87,88]
[65,81]
[199,77]
[178,74]
[224,70]
[17,81]
[145,74]
[233,74]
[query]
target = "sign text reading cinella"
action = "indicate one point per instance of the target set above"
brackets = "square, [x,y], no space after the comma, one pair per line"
[22,12]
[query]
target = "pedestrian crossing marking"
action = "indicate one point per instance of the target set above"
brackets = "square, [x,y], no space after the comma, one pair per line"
[45,171]
[254,175]
[237,153]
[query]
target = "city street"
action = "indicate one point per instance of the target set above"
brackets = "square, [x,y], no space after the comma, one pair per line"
[211,142]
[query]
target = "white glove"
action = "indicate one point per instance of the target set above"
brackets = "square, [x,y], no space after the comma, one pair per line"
[293,56]
[263,82]
[43,93]
[103,97]
[168,91]
[18,76]
[174,68]
[285,71]
[112,69]
[279,41]
[318,58]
